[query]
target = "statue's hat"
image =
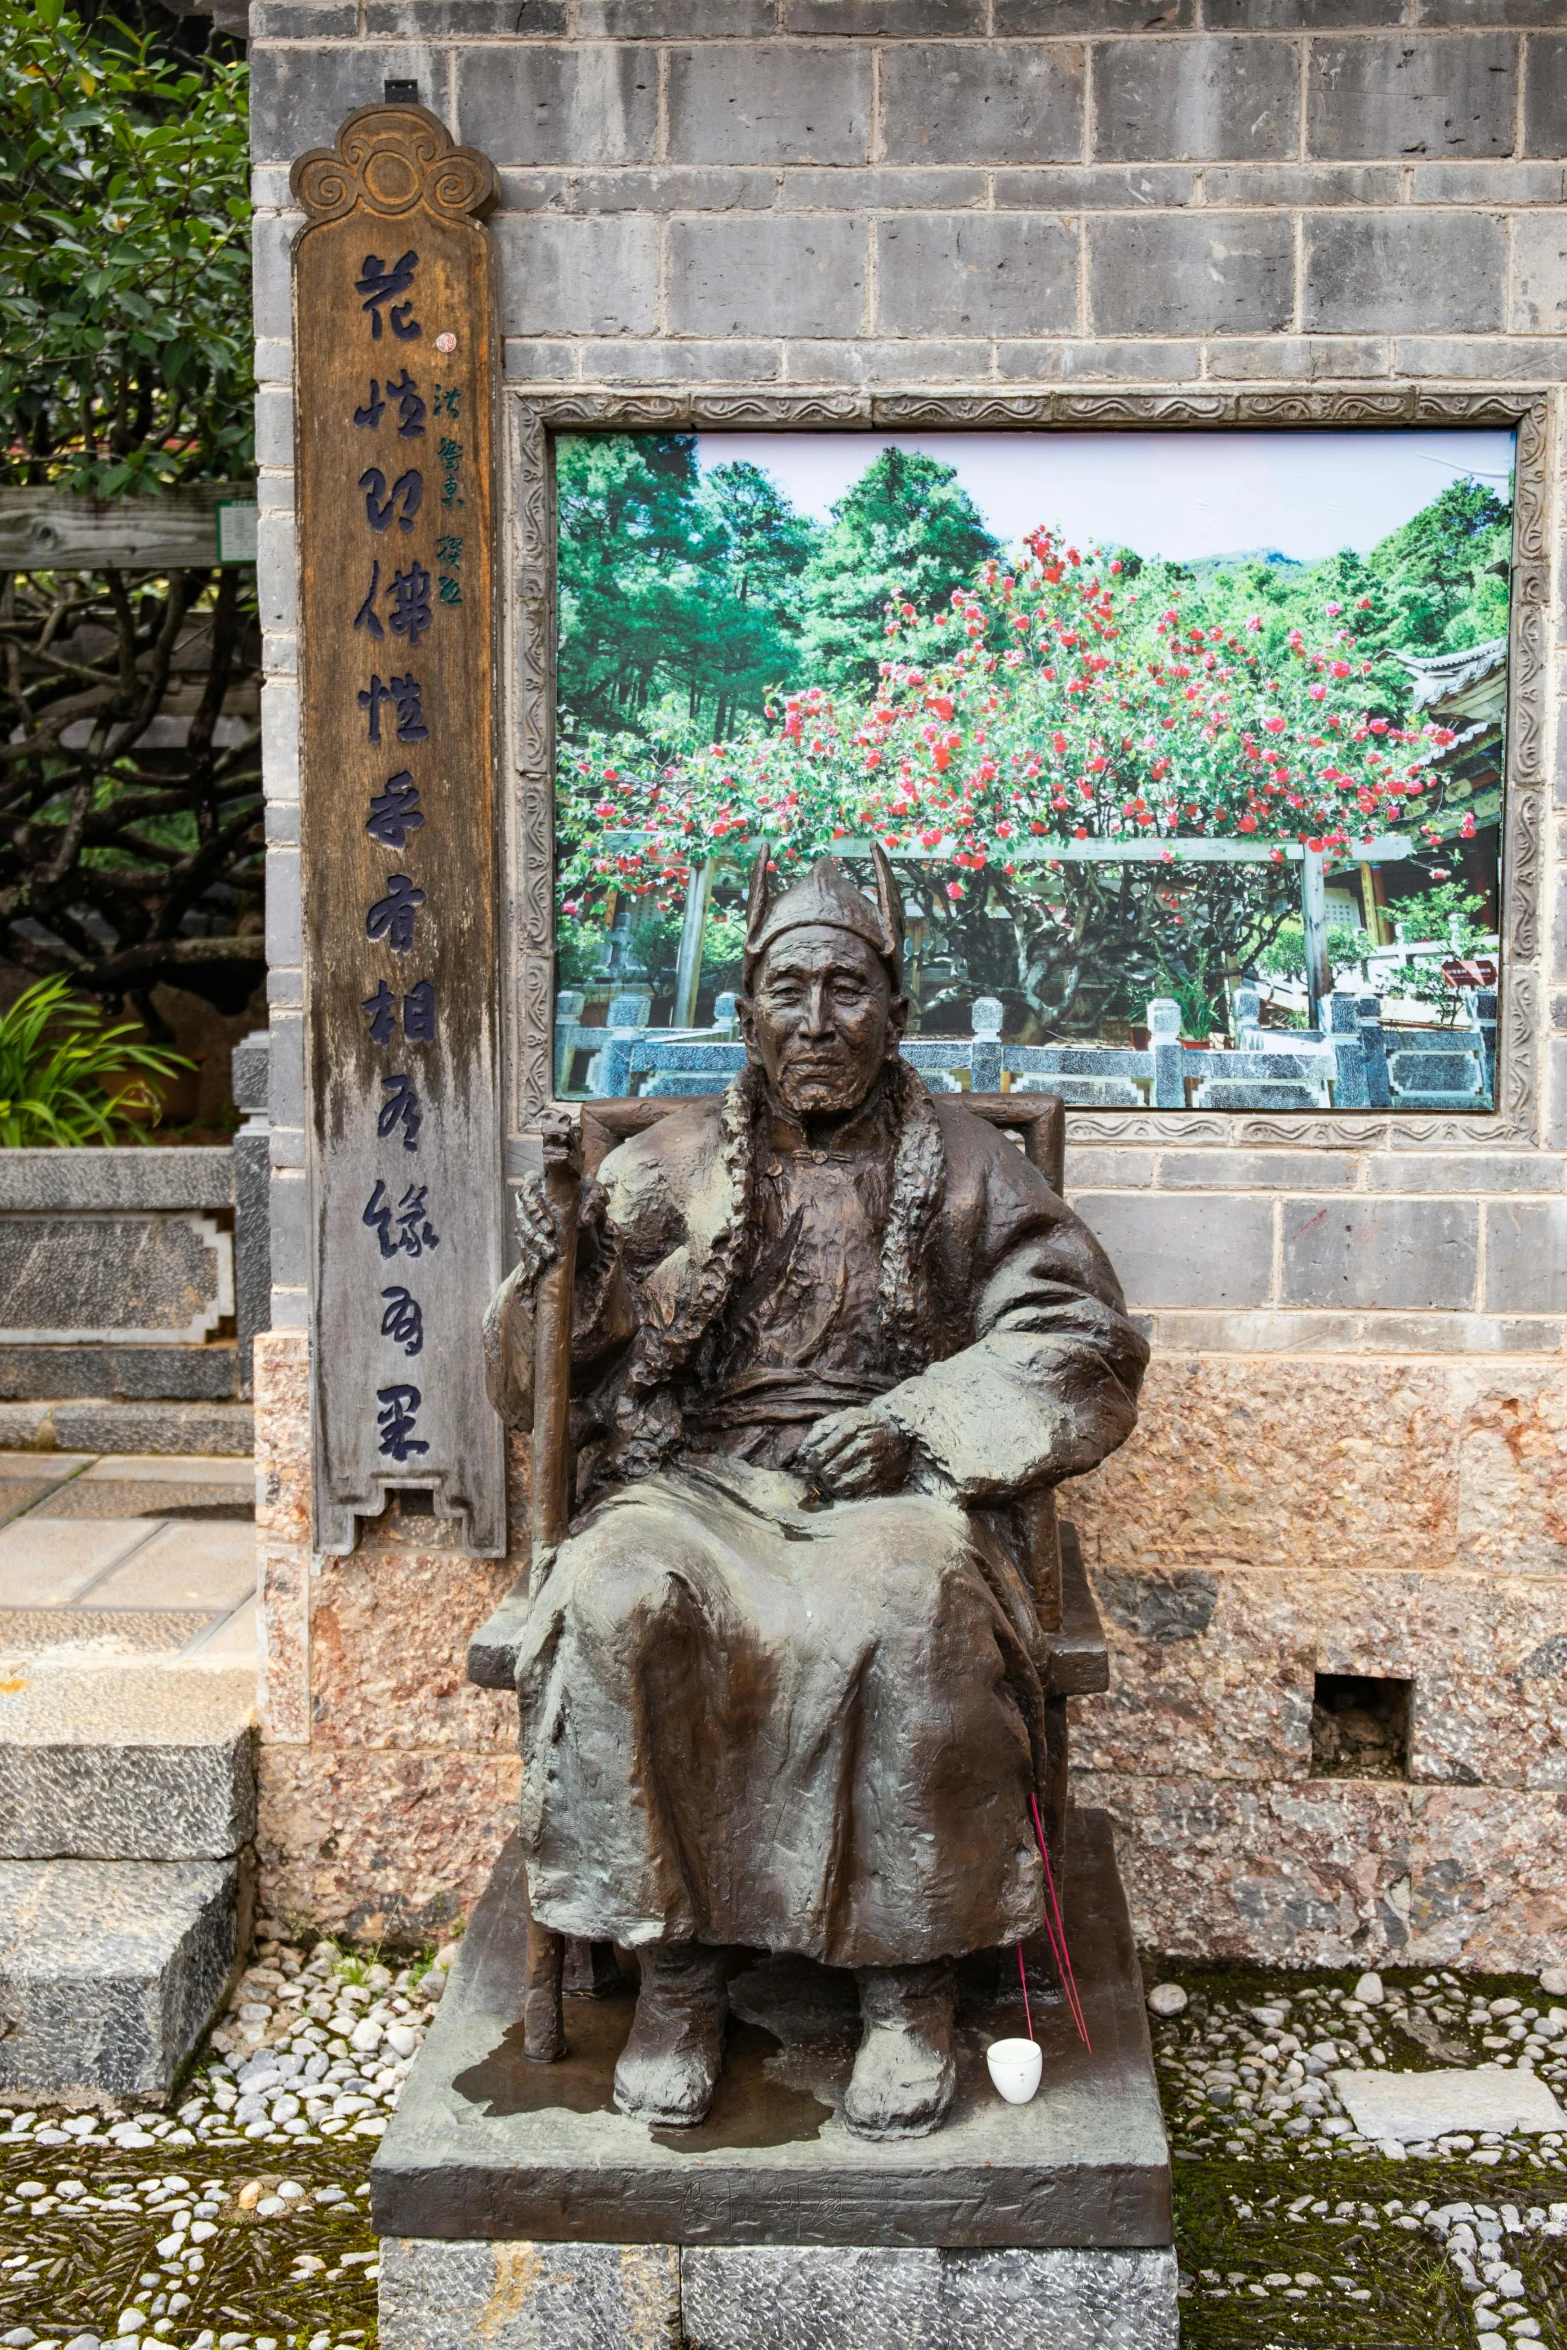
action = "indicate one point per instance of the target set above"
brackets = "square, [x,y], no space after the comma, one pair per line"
[826,896]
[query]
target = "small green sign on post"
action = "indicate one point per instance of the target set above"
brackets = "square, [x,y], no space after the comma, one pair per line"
[236,522]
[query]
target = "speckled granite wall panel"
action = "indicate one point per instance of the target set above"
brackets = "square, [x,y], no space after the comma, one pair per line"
[1306,1875]
[1280,1461]
[281,1377]
[283,1577]
[381,1844]
[1512,1468]
[1210,1674]
[1212,1670]
[1271,1519]
[388,1784]
[1341,1872]
[1488,1885]
[389,1631]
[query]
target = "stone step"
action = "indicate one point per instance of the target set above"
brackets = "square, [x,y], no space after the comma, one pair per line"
[127,1816]
[126,1761]
[85,1424]
[132,1554]
[111,1970]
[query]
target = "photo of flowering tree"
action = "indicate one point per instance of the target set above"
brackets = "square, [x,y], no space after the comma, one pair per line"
[1241,807]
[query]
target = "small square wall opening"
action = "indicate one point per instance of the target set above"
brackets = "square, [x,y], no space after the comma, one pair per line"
[400,93]
[1360,1727]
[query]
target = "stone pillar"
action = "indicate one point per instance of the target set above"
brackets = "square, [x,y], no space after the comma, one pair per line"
[252,1206]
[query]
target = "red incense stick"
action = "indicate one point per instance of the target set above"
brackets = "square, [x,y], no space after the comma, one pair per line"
[1058,1937]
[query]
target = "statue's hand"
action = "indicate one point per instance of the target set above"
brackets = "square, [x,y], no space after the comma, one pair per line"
[538,1242]
[855,1454]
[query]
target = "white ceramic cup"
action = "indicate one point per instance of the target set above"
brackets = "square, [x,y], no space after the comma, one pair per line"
[1014,2067]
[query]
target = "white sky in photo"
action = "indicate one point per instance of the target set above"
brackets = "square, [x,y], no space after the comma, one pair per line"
[1179,495]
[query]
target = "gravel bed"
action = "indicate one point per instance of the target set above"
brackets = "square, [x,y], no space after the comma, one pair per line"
[239,2222]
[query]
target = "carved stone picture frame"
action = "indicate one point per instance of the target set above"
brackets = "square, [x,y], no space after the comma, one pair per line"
[529,686]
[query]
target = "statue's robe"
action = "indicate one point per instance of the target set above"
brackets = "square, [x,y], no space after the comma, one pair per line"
[749,1715]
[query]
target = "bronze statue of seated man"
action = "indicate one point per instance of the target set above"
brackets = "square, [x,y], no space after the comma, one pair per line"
[780,1687]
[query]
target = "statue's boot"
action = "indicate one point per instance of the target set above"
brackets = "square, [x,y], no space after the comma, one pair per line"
[905,2074]
[668,2068]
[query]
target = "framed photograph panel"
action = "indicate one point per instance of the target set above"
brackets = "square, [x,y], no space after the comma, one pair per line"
[1196,753]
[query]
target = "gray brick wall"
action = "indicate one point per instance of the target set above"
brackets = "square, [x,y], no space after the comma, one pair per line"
[983,194]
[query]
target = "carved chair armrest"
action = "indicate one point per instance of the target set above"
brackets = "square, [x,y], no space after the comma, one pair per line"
[1079,1657]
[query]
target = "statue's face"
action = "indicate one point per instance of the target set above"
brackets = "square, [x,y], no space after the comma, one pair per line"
[822,1019]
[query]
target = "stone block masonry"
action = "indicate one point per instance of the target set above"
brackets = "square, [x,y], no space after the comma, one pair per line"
[1428,141]
[127,1814]
[1178,211]
[518,2296]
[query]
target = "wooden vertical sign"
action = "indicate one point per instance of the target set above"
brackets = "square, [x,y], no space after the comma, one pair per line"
[394,340]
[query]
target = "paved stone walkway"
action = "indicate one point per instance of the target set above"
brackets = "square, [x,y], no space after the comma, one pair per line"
[128,1554]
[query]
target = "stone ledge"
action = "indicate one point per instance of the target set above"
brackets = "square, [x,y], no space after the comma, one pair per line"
[93,1425]
[536,2296]
[203,1372]
[126,1763]
[119,1176]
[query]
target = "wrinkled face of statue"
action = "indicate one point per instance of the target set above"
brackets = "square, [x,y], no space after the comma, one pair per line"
[822,1019]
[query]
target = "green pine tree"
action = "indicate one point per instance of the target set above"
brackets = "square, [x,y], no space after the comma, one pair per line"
[906,532]
[1446,570]
[632,533]
[752,639]
[679,596]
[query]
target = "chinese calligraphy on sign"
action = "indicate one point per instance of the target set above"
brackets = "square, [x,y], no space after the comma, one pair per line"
[397,822]
[380,283]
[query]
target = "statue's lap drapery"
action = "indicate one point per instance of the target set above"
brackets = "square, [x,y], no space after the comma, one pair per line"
[794,1728]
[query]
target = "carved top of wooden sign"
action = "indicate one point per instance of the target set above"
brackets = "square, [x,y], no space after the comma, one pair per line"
[390,159]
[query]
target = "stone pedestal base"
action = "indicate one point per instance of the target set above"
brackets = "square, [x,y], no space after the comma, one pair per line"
[457,2296]
[519,2208]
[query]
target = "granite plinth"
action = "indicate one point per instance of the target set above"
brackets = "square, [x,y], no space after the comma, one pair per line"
[532,2296]
[485,2145]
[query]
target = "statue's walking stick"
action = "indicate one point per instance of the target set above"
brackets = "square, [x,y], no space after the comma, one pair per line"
[552,1349]
[543,2029]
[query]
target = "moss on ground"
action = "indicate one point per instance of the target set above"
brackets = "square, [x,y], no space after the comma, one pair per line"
[1299,2247]
[1306,2251]
[74,2266]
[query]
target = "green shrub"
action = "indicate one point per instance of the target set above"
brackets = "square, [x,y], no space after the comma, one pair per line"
[67,1076]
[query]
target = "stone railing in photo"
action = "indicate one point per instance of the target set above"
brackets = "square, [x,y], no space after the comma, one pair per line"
[1355,1063]
[133,1281]
[625,1027]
